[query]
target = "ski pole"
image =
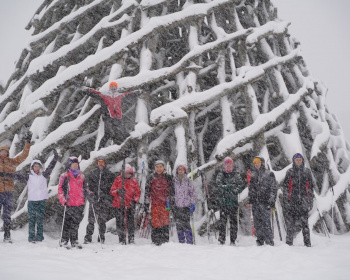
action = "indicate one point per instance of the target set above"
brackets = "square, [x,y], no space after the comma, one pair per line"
[64,216]
[123,200]
[278,224]
[193,230]
[98,227]
[332,211]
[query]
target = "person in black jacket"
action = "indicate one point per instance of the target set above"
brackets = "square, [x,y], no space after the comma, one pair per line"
[262,196]
[99,182]
[298,195]
[229,185]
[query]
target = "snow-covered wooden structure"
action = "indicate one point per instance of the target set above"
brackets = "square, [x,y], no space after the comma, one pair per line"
[220,77]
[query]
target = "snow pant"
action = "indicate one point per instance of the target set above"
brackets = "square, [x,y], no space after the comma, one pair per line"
[121,216]
[102,213]
[262,224]
[293,215]
[74,215]
[6,205]
[160,235]
[183,225]
[115,129]
[36,211]
[231,213]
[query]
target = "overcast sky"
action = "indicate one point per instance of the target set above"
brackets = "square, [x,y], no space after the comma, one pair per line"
[322,27]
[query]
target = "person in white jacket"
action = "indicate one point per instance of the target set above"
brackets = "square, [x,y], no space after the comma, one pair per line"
[37,195]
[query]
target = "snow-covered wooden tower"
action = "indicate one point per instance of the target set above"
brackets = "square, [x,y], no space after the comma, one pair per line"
[219,78]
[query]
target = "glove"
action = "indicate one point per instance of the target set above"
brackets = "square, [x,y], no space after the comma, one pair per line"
[310,207]
[167,206]
[120,192]
[133,205]
[192,208]
[28,137]
[55,153]
[146,207]
[91,198]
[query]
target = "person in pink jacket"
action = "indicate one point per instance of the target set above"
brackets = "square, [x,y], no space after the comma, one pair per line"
[72,191]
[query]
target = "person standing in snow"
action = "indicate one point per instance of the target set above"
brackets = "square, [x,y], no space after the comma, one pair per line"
[99,182]
[185,199]
[7,187]
[37,195]
[229,184]
[298,197]
[158,190]
[132,194]
[262,195]
[72,190]
[113,119]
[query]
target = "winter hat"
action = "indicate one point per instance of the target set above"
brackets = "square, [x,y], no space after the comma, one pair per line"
[159,162]
[129,169]
[7,149]
[183,166]
[297,155]
[228,160]
[72,160]
[101,158]
[113,85]
[256,160]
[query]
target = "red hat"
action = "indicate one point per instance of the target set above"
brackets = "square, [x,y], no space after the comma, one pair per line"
[113,85]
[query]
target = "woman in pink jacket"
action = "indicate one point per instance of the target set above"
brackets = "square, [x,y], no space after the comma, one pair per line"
[72,191]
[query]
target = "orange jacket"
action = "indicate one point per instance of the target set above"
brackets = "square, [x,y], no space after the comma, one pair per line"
[9,165]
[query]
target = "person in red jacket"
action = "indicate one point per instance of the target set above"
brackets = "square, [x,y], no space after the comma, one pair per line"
[125,216]
[72,191]
[159,192]
[115,128]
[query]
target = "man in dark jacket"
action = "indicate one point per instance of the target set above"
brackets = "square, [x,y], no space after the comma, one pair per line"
[229,184]
[262,196]
[159,192]
[99,182]
[298,195]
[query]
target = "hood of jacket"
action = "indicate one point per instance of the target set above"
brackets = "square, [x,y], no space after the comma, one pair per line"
[32,164]
[6,148]
[294,157]
[263,167]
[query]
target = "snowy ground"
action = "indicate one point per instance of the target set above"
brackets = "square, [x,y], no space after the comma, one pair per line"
[327,259]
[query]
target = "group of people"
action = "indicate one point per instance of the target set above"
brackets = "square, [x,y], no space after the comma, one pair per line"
[163,193]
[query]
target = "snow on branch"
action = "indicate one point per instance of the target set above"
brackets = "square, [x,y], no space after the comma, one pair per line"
[265,30]
[262,123]
[63,136]
[324,203]
[155,25]
[18,118]
[57,26]
[170,111]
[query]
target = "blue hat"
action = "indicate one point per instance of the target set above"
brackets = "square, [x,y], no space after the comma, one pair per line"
[297,155]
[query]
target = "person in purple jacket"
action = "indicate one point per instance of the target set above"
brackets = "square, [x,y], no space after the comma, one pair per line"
[185,199]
